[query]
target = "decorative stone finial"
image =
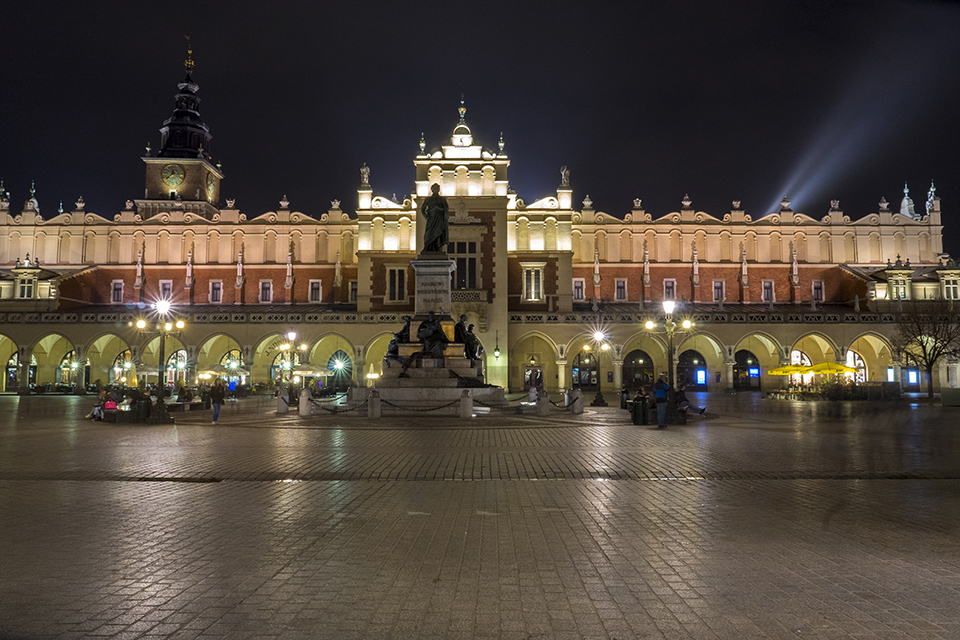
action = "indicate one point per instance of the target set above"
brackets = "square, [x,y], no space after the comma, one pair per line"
[80,204]
[462,110]
[284,203]
[334,204]
[500,144]
[129,205]
[834,205]
[230,203]
[686,202]
[784,204]
[148,149]
[423,144]
[364,175]
[587,203]
[736,204]
[637,203]
[564,176]
[883,204]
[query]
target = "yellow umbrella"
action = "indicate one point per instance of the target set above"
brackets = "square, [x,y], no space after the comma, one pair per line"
[831,368]
[788,370]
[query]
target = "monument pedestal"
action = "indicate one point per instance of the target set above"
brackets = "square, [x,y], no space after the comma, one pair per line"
[431,382]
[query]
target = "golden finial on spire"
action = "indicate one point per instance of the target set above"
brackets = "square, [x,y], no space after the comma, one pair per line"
[462,109]
[188,63]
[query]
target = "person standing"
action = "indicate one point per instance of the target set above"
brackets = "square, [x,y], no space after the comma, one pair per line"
[217,395]
[660,390]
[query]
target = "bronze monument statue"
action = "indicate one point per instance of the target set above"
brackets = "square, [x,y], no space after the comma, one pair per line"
[436,211]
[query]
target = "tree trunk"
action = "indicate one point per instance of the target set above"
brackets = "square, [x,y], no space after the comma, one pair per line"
[930,382]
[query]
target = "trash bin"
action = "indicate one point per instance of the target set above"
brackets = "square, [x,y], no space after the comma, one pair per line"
[142,409]
[639,411]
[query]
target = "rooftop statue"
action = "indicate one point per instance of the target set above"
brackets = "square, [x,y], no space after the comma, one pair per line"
[436,211]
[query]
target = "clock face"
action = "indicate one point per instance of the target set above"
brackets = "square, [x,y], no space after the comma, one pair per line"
[172,175]
[211,185]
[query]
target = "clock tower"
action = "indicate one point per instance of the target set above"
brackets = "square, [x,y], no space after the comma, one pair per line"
[181,174]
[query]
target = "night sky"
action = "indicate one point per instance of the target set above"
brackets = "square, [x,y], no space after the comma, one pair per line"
[727,100]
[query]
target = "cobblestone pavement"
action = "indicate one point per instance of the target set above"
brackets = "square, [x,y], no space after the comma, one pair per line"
[762,519]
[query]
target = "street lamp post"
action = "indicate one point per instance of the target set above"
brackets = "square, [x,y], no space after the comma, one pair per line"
[670,327]
[599,337]
[160,414]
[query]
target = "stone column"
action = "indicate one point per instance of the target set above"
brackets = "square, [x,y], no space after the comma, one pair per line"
[728,374]
[80,357]
[952,370]
[23,387]
[561,374]
[618,375]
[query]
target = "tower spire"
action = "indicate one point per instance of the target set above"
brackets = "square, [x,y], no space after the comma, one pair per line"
[188,63]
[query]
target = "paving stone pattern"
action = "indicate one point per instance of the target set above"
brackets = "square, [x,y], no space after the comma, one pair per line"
[762,519]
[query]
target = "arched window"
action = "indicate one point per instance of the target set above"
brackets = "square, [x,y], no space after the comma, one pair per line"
[342,368]
[121,364]
[856,361]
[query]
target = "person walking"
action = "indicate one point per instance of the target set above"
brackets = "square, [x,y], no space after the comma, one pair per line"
[217,395]
[660,395]
[684,403]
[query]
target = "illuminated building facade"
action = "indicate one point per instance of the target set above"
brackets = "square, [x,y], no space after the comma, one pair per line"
[537,280]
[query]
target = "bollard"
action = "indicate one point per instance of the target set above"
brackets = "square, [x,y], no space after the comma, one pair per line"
[466,404]
[305,408]
[374,409]
[543,404]
[577,401]
[283,401]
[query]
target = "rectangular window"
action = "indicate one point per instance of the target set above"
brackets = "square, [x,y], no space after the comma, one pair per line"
[216,291]
[767,292]
[116,292]
[316,293]
[166,289]
[578,293]
[533,281]
[718,292]
[266,291]
[951,289]
[353,291]
[465,258]
[396,284]
[620,292]
[670,289]
[818,291]
[26,288]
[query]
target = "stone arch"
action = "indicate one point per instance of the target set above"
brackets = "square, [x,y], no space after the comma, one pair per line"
[750,245]
[113,247]
[876,253]
[10,379]
[376,233]
[101,351]
[488,186]
[550,234]
[768,353]
[270,239]
[676,250]
[850,247]
[626,246]
[818,346]
[703,252]
[877,353]
[826,247]
[523,234]
[327,345]
[462,181]
[575,239]
[650,238]
[726,246]
[49,350]
[163,247]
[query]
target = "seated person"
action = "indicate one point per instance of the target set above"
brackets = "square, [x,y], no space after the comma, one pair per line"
[684,404]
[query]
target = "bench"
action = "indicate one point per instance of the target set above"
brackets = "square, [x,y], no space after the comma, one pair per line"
[194,405]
